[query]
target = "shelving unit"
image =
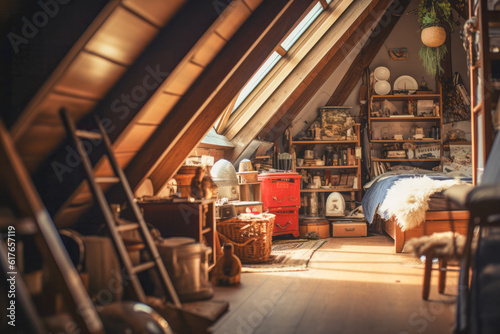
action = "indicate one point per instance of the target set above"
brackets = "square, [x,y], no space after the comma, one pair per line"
[485,90]
[377,123]
[298,147]
[185,219]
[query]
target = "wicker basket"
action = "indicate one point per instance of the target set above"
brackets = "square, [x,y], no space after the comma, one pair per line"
[433,36]
[252,238]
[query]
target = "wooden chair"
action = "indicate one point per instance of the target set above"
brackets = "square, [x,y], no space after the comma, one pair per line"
[445,247]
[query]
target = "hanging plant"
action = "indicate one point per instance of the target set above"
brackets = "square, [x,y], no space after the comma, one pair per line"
[435,19]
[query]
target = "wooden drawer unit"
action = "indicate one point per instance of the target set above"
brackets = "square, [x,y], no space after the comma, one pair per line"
[280,189]
[286,221]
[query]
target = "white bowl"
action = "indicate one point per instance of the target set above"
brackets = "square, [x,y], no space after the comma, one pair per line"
[382,73]
[382,87]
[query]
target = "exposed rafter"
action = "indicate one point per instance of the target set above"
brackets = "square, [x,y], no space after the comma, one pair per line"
[195,113]
[160,58]
[225,116]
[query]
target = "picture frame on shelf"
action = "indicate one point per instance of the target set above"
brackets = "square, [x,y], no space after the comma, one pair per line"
[334,121]
[425,108]
[428,151]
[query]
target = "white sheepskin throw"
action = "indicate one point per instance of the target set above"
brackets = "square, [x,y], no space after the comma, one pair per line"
[407,200]
[445,245]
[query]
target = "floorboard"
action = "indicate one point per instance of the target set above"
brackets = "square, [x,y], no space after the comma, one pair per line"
[353,285]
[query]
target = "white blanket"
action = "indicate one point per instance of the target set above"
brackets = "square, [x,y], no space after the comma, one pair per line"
[407,200]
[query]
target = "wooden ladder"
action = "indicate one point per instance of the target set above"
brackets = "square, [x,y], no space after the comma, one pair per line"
[15,180]
[116,229]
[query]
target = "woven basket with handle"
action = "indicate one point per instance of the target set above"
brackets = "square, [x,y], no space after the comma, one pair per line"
[252,238]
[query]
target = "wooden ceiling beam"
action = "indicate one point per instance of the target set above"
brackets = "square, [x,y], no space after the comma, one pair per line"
[117,108]
[225,116]
[195,113]
[364,59]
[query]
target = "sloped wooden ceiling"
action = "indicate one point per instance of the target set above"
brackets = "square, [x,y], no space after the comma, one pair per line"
[170,88]
[214,90]
[159,73]
[97,60]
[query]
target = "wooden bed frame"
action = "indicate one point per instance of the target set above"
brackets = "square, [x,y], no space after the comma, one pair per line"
[435,221]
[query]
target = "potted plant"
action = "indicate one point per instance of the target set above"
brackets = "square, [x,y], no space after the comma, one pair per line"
[435,19]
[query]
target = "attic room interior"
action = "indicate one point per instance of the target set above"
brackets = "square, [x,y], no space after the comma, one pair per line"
[250,166]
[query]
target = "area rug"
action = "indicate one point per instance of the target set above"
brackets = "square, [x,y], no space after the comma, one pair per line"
[287,255]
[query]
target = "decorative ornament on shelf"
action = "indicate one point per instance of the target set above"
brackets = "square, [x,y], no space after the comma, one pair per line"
[435,19]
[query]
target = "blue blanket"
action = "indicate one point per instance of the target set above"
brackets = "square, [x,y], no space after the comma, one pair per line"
[375,195]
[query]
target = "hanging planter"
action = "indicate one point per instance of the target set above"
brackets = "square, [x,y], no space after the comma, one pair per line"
[435,19]
[433,36]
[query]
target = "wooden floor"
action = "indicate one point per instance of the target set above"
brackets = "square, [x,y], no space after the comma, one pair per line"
[354,285]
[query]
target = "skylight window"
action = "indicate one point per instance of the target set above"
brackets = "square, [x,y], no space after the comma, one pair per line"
[257,78]
[302,27]
[275,56]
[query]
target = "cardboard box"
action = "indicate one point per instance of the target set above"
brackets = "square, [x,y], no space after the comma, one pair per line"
[348,229]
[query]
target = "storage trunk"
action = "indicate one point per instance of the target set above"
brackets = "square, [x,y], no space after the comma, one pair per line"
[349,229]
[319,226]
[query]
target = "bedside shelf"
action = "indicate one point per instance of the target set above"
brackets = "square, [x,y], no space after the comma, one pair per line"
[405,119]
[321,190]
[406,97]
[326,167]
[419,141]
[403,159]
[305,142]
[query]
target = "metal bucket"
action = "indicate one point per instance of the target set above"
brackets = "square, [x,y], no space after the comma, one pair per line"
[187,265]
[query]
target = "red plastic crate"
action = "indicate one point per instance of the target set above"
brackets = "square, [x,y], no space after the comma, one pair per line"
[280,189]
[286,221]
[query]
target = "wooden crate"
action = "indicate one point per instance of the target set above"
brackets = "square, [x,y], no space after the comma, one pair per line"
[349,229]
[319,226]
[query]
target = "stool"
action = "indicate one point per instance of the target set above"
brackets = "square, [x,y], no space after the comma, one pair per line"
[443,246]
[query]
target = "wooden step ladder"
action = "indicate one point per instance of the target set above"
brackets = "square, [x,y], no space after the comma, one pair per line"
[116,229]
[15,180]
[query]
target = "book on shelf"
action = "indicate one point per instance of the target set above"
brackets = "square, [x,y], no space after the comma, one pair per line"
[344,157]
[351,157]
[350,179]
[343,180]
[335,180]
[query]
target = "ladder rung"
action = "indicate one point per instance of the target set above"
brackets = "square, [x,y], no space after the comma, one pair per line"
[107,179]
[127,227]
[87,134]
[144,266]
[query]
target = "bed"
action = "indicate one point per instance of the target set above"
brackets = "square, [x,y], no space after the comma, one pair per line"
[409,204]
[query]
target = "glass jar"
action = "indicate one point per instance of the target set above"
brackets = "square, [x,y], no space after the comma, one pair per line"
[329,156]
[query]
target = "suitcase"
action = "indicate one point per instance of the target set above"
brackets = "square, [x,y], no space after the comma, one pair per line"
[348,229]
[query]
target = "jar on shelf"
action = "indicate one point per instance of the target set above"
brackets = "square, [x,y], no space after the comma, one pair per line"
[329,155]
